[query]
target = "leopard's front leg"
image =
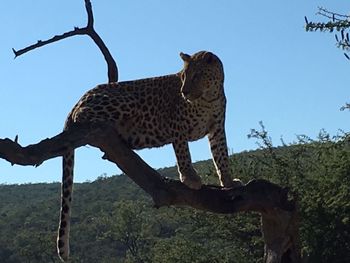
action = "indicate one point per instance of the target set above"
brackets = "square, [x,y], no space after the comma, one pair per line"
[218,146]
[188,174]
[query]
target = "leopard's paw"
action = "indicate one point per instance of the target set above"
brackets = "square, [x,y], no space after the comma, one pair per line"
[232,183]
[193,181]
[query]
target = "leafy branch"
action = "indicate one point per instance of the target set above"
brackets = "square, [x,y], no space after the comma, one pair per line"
[336,22]
[280,164]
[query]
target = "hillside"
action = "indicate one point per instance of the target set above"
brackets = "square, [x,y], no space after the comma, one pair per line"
[114,221]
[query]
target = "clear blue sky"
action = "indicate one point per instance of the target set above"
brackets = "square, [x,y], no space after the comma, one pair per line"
[294,81]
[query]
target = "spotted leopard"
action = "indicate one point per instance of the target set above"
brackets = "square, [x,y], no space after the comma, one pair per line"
[173,109]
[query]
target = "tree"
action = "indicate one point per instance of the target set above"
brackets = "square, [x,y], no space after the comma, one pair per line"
[318,170]
[129,224]
[278,209]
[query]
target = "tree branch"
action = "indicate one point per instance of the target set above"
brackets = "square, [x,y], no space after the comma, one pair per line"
[258,195]
[88,30]
[40,43]
[332,15]
[338,22]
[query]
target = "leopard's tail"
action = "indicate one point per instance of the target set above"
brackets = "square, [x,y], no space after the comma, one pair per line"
[66,200]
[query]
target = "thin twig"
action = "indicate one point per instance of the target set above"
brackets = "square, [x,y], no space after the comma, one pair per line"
[325,11]
[40,43]
[331,17]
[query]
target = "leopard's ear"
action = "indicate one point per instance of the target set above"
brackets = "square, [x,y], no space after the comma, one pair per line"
[185,57]
[208,57]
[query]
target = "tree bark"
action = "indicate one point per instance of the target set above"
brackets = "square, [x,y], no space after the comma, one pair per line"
[279,214]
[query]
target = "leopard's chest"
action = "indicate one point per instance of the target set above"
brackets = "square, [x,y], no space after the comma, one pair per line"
[195,124]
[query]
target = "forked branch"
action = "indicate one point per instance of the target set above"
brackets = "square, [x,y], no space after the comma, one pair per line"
[87,30]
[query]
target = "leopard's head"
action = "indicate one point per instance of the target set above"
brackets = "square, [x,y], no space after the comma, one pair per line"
[202,76]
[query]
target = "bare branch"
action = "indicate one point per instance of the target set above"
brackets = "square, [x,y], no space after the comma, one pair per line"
[40,43]
[325,12]
[36,154]
[258,195]
[90,15]
[88,30]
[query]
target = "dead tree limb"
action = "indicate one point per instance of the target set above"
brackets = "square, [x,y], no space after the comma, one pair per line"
[87,30]
[279,221]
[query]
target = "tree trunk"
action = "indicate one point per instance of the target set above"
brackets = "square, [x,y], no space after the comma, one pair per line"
[281,236]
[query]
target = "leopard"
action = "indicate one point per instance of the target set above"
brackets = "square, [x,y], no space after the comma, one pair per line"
[146,113]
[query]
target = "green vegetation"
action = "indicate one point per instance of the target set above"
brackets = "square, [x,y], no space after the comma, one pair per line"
[334,23]
[114,221]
